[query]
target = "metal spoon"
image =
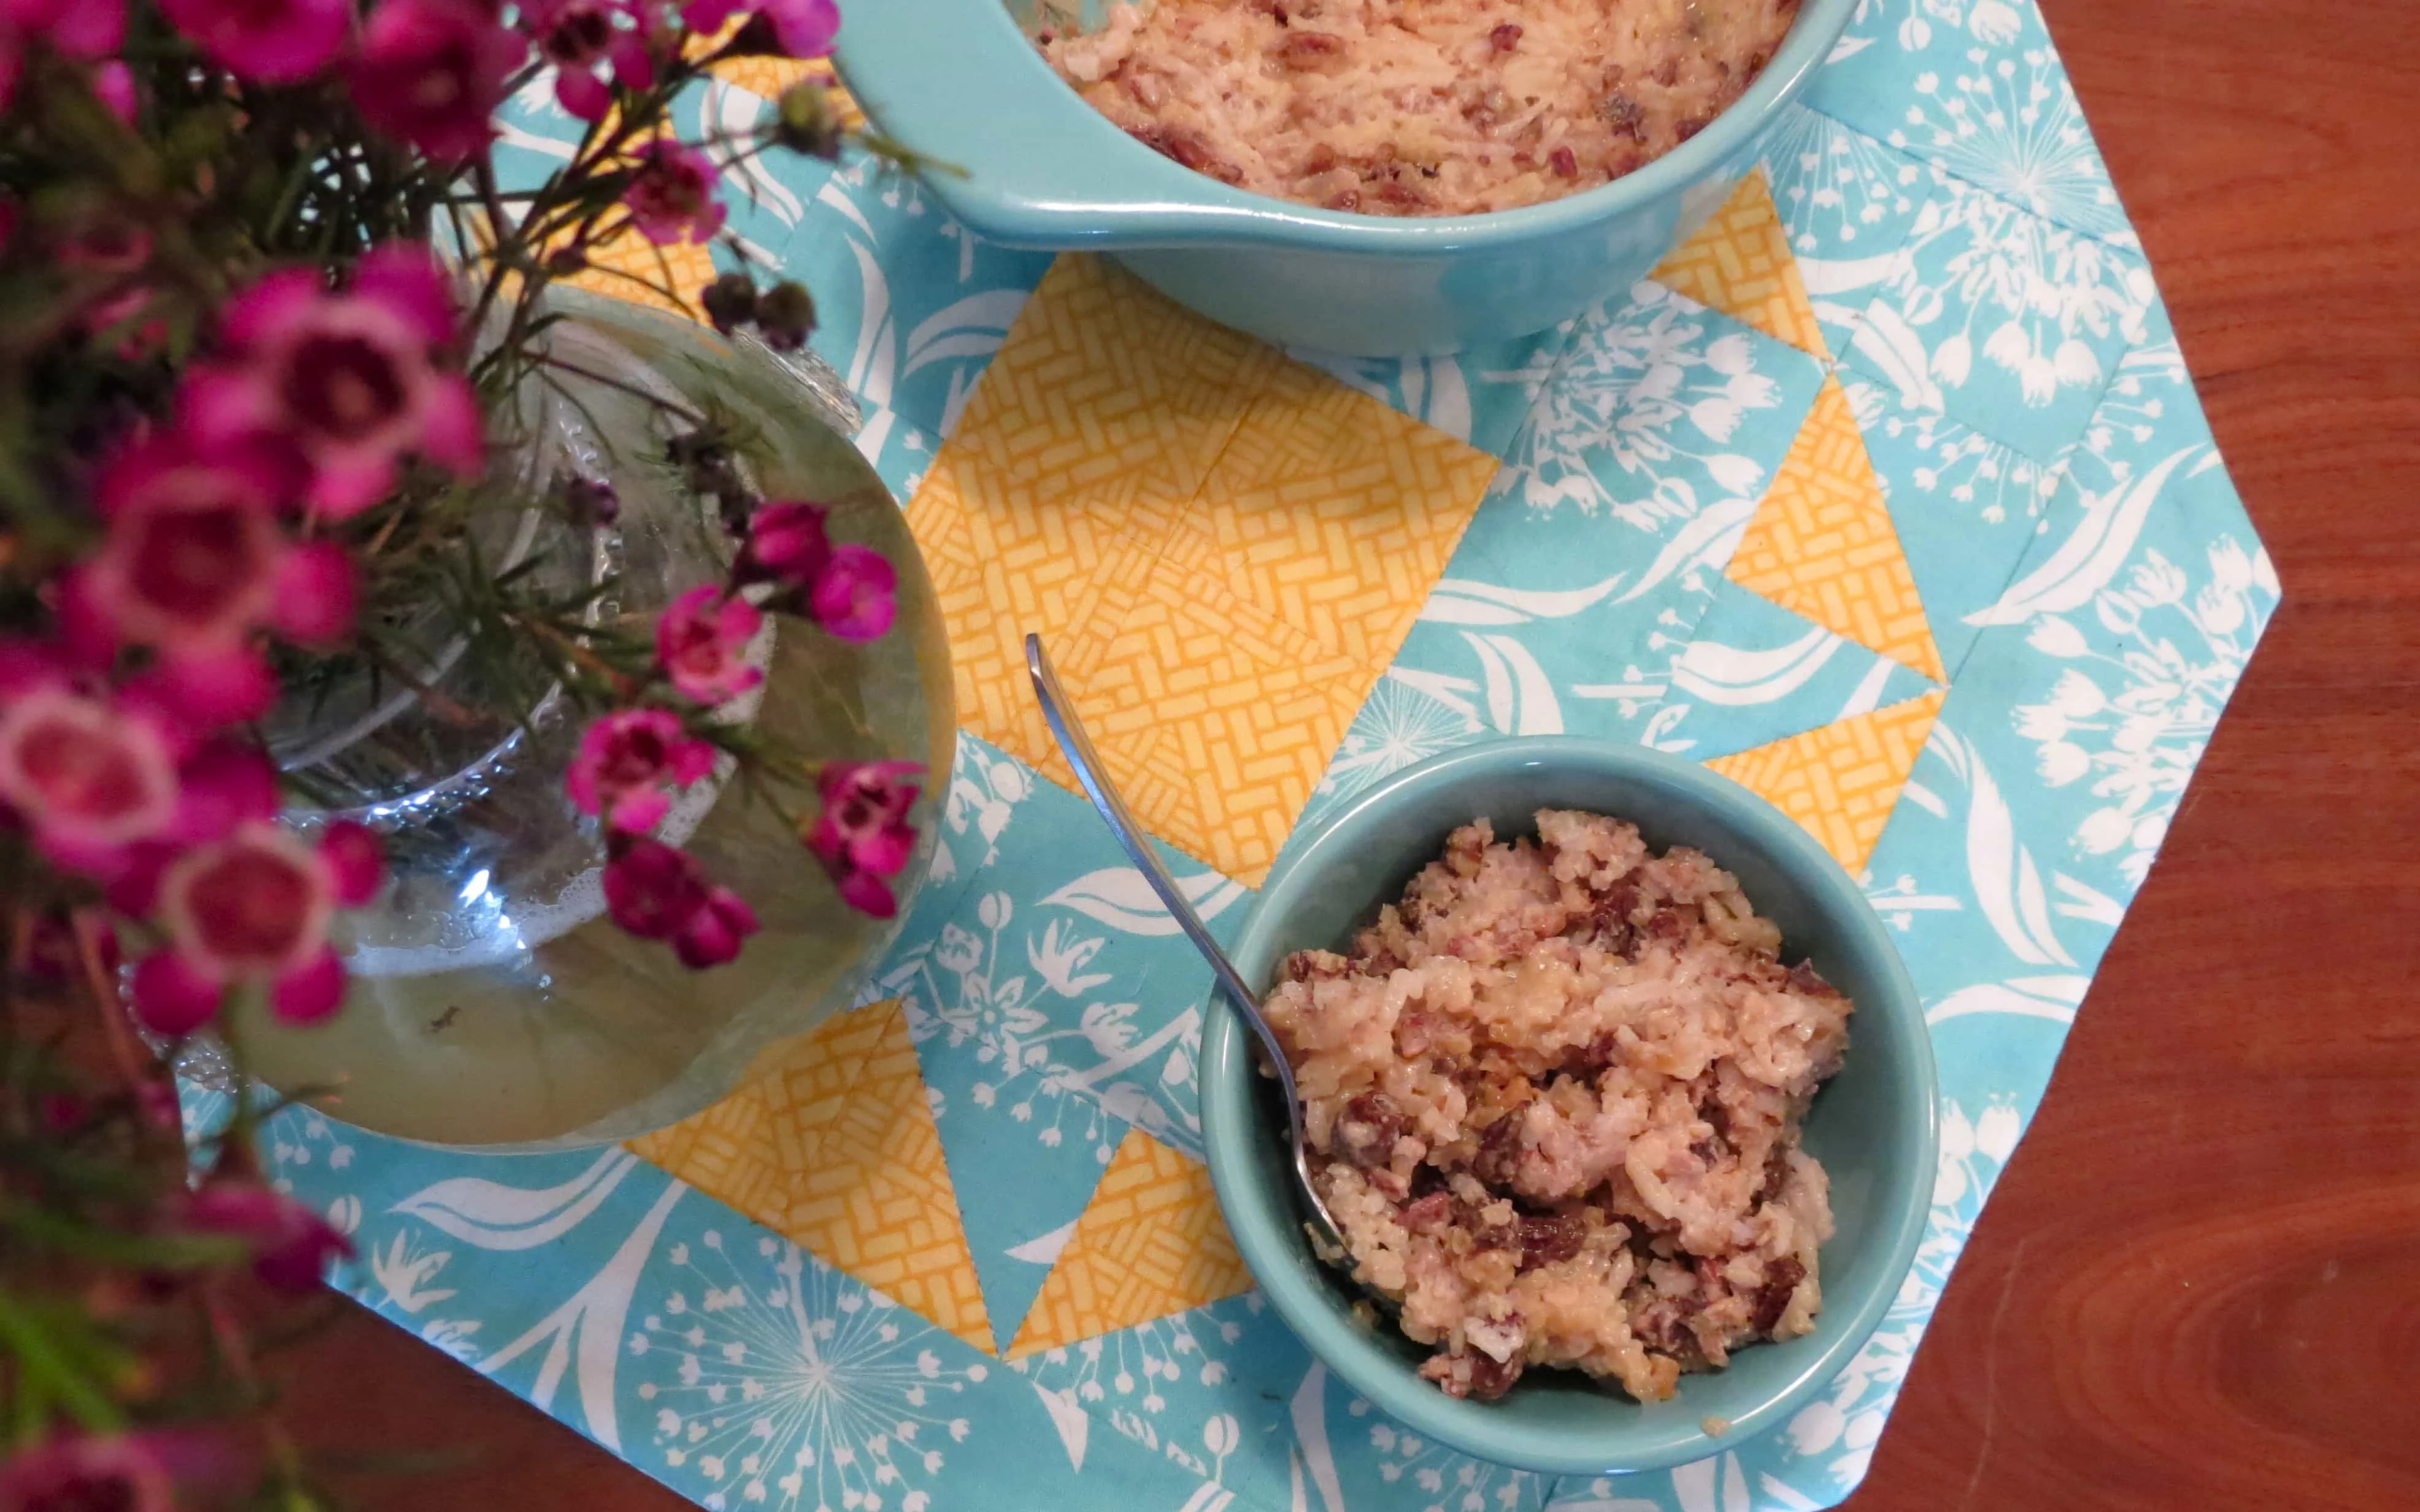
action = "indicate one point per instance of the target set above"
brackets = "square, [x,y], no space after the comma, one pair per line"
[1061,712]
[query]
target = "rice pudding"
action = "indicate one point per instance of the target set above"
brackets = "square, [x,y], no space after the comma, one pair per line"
[1553,1100]
[1418,107]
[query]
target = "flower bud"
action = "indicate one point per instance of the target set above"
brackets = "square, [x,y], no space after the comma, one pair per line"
[784,315]
[705,461]
[808,123]
[591,502]
[730,301]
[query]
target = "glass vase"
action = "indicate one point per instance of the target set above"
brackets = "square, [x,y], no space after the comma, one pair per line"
[492,1003]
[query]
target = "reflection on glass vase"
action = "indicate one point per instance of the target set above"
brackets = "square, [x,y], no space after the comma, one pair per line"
[492,1002]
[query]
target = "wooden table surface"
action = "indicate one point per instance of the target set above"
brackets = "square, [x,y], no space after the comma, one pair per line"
[2198,1283]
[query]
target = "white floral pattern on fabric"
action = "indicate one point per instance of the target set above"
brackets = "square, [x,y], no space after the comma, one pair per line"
[1061,1060]
[1641,413]
[1603,539]
[901,453]
[911,304]
[1756,672]
[986,786]
[783,1383]
[1975,86]
[1158,1385]
[1967,508]
[2130,724]
[2005,321]
[1480,396]
[1847,204]
[1403,723]
[1433,1478]
[2086,570]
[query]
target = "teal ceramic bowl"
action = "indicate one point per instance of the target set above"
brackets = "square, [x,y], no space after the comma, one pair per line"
[958,80]
[1872,1125]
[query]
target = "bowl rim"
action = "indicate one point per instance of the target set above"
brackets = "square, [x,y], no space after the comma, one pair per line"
[1293,1288]
[920,69]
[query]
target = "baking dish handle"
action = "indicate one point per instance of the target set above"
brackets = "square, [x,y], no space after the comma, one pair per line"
[1022,159]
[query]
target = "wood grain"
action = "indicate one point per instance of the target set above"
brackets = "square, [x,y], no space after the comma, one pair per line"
[2198,1284]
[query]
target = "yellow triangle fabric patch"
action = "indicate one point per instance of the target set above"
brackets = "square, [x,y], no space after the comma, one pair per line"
[1150,1244]
[627,265]
[742,1150]
[833,1146]
[1823,545]
[1225,549]
[1740,263]
[1842,781]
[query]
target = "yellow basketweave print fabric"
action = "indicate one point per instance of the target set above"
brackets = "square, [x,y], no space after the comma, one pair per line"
[1150,1244]
[1740,263]
[833,1145]
[1822,544]
[1842,781]
[1225,549]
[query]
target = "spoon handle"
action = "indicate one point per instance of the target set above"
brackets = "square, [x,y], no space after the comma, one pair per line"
[1078,751]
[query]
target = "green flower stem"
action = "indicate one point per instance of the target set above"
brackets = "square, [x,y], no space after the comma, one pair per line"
[678,411]
[42,1368]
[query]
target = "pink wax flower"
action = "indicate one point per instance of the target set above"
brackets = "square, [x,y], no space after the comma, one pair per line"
[223,783]
[89,31]
[701,642]
[290,1244]
[274,42]
[83,773]
[786,545]
[62,1113]
[123,1473]
[136,337]
[112,785]
[802,28]
[253,907]
[862,835]
[865,892]
[113,84]
[857,595]
[89,778]
[715,933]
[580,36]
[670,197]
[110,247]
[659,892]
[352,381]
[355,860]
[627,761]
[431,73]
[194,562]
[652,888]
[864,814]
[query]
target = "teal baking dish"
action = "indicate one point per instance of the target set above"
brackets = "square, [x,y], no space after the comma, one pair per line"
[1036,167]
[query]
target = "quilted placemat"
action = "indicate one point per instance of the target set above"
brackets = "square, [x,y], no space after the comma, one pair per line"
[1887,496]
